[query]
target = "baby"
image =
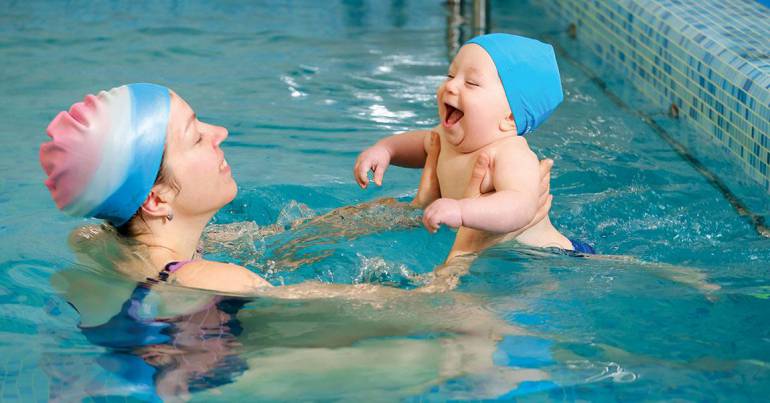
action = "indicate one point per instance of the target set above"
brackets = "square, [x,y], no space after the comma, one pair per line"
[499,87]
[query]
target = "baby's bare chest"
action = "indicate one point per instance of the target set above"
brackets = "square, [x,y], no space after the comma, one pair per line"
[454,171]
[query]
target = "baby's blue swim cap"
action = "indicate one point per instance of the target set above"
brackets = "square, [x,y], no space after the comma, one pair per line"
[530,76]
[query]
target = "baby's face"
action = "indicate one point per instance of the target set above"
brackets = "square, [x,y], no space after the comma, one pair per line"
[471,101]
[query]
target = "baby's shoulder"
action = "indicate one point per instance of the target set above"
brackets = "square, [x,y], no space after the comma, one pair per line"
[511,149]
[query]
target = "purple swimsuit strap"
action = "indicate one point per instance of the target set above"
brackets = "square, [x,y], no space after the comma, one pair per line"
[171,267]
[174,266]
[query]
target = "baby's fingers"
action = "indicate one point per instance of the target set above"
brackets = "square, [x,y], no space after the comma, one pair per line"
[361,172]
[379,173]
[429,221]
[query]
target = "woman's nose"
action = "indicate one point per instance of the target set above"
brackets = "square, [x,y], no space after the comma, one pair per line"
[220,134]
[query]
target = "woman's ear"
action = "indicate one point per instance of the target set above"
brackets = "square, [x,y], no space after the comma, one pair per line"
[508,124]
[158,201]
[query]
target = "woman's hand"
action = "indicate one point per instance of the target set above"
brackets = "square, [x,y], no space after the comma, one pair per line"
[429,189]
[470,240]
[545,199]
[447,211]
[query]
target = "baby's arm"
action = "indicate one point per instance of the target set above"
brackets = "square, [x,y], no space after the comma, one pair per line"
[407,150]
[512,205]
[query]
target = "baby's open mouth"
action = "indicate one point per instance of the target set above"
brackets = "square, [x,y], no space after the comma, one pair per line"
[452,116]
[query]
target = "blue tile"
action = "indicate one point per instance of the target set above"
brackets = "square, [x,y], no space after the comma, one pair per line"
[690,49]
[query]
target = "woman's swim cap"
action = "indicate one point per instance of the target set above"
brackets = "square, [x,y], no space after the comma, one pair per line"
[106,151]
[530,76]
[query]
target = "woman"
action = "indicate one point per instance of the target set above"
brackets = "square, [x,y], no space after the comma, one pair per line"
[138,157]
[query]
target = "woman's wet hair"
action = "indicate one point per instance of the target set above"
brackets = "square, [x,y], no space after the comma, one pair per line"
[137,225]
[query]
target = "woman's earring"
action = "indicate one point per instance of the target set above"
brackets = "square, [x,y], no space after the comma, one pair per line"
[170,216]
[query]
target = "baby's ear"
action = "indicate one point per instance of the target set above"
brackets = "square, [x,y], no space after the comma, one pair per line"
[508,124]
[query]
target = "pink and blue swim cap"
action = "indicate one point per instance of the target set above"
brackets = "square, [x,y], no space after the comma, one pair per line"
[106,151]
[530,76]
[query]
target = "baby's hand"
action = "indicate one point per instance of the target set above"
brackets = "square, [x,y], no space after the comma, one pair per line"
[375,158]
[442,211]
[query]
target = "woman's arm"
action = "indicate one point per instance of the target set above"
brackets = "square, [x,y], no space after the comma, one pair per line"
[429,189]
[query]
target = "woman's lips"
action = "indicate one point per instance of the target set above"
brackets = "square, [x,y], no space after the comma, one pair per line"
[452,115]
[224,166]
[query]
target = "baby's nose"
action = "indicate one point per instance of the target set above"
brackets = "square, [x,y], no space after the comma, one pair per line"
[451,85]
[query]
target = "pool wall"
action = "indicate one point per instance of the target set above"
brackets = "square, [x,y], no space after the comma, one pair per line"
[708,58]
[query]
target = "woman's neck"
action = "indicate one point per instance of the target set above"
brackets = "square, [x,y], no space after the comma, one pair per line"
[173,240]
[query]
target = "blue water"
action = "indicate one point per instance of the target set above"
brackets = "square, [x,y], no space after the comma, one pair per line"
[303,87]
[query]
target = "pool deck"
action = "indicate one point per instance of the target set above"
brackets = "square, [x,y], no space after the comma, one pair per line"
[705,61]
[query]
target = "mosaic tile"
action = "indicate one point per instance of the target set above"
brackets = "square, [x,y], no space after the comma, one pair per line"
[710,58]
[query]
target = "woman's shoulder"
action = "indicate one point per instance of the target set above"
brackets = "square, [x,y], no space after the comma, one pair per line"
[218,276]
[104,251]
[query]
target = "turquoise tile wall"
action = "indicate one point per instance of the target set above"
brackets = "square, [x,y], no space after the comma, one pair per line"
[710,58]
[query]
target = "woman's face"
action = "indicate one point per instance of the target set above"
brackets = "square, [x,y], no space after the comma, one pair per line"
[196,162]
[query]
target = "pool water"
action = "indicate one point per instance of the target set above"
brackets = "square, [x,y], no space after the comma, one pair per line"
[303,87]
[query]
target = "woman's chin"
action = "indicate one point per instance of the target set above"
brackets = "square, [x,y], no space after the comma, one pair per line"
[232,191]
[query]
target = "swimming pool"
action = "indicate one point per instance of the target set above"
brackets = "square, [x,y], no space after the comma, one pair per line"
[304,87]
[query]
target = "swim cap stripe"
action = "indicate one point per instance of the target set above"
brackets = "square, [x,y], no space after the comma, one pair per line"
[109,125]
[142,155]
[530,76]
[115,146]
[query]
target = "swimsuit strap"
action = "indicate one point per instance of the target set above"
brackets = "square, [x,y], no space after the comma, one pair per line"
[174,266]
[170,267]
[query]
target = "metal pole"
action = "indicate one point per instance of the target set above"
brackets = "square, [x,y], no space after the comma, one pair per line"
[454,22]
[480,17]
